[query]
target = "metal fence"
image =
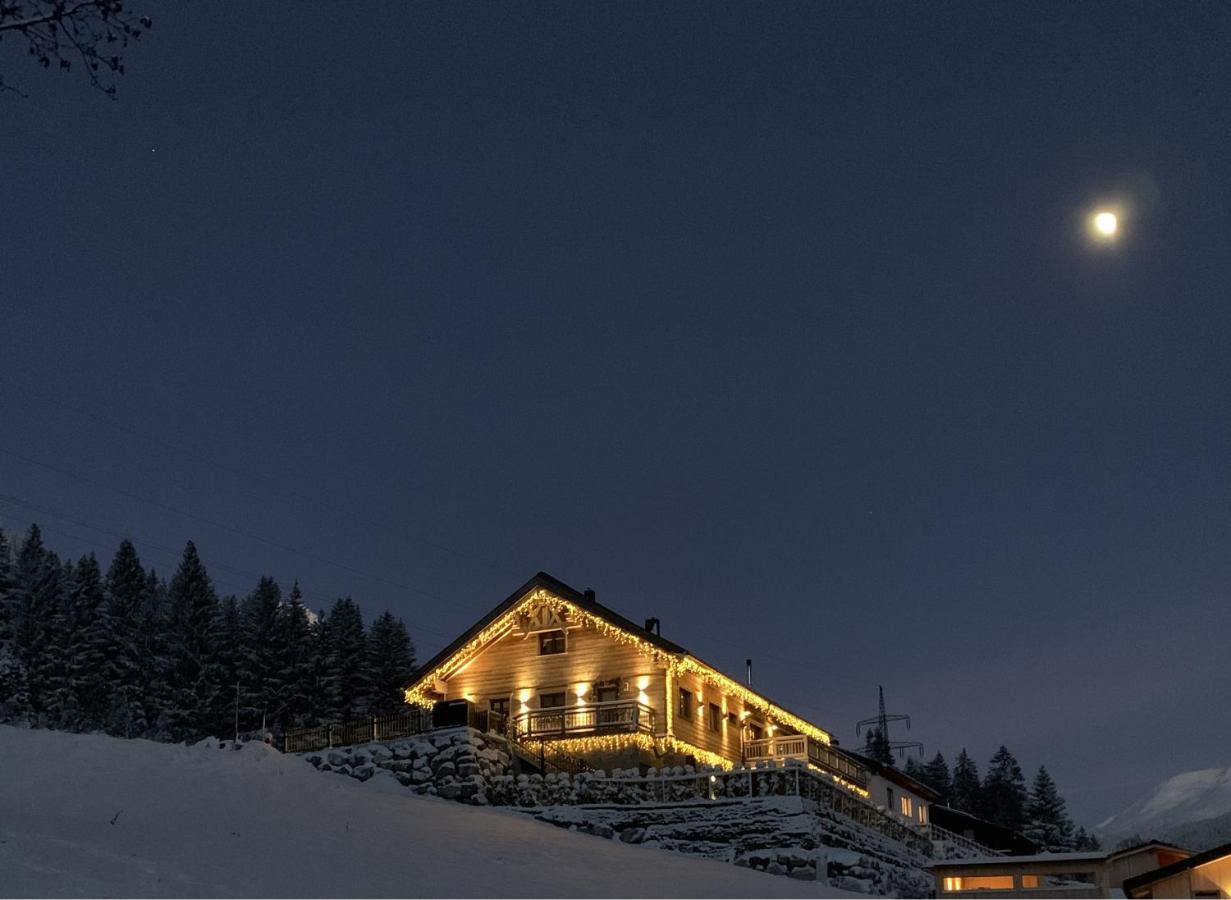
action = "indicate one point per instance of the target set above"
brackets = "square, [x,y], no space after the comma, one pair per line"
[358,731]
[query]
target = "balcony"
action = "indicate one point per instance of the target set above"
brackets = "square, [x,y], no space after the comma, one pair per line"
[611,717]
[806,750]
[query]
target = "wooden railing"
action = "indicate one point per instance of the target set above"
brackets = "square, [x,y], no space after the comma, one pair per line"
[358,731]
[804,749]
[960,840]
[593,718]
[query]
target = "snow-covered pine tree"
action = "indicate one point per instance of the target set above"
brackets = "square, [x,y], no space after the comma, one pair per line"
[296,644]
[39,584]
[391,660]
[320,709]
[1003,794]
[156,671]
[126,587]
[59,688]
[965,793]
[227,639]
[1084,843]
[913,769]
[193,679]
[259,704]
[93,644]
[346,661]
[1047,822]
[936,776]
[12,681]
[878,747]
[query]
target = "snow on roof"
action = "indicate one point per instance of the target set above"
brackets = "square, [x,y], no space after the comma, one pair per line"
[1015,860]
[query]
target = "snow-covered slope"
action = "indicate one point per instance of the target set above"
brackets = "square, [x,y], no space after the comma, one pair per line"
[1176,807]
[86,815]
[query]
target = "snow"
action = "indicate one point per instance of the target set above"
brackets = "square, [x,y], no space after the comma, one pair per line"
[88,815]
[1179,801]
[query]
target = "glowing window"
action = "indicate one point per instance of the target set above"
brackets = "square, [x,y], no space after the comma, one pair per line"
[715,717]
[923,814]
[1030,881]
[551,642]
[904,805]
[979,883]
[685,704]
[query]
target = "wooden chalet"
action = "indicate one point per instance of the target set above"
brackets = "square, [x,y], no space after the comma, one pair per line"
[556,666]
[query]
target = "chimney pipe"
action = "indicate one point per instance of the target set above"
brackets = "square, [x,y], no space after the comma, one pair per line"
[653,626]
[748,662]
[589,594]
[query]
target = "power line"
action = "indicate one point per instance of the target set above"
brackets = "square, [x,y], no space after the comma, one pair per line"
[225,527]
[175,554]
[187,451]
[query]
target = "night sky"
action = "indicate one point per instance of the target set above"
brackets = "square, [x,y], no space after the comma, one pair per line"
[776,322]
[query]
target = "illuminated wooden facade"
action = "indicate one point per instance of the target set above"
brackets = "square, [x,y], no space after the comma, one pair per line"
[562,668]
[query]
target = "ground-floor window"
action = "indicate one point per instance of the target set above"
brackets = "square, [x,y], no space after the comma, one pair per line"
[551,701]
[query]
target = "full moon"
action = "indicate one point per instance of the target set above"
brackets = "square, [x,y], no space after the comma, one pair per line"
[1106,223]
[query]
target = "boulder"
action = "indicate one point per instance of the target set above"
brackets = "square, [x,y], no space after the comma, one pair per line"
[363,773]
[445,769]
[336,759]
[403,778]
[315,760]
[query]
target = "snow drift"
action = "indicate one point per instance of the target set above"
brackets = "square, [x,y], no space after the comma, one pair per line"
[88,815]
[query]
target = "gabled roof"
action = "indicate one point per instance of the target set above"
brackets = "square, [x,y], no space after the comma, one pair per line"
[1147,845]
[1175,868]
[891,773]
[587,604]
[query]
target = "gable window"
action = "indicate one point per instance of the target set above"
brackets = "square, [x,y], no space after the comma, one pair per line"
[551,701]
[685,704]
[715,717]
[551,642]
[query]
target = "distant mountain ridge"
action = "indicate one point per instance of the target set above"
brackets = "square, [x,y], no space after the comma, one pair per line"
[1192,809]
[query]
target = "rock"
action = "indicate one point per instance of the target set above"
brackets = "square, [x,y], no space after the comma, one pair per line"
[363,773]
[445,769]
[776,868]
[465,770]
[336,759]
[741,861]
[403,778]
[326,768]
[803,873]
[315,760]
[401,751]
[449,791]
[344,770]
[634,836]
[359,759]
[381,753]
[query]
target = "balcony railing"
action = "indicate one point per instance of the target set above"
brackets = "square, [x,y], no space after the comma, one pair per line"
[593,718]
[804,749]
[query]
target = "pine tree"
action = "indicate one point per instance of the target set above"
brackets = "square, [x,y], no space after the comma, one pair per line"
[12,678]
[320,709]
[227,639]
[346,681]
[92,693]
[296,646]
[1086,843]
[878,747]
[391,660]
[913,769]
[59,686]
[966,790]
[156,668]
[126,587]
[194,679]
[39,585]
[1047,822]
[260,681]
[936,776]
[1003,793]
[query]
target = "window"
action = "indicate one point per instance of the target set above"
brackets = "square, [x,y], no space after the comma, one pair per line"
[715,717]
[605,693]
[500,705]
[551,642]
[685,704]
[754,732]
[979,883]
[923,813]
[888,799]
[551,701]
[1030,881]
[904,805]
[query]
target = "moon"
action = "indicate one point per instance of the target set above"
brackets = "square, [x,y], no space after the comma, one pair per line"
[1106,223]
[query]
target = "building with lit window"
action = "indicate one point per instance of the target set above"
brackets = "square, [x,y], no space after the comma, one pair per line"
[1206,874]
[557,666]
[1095,874]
